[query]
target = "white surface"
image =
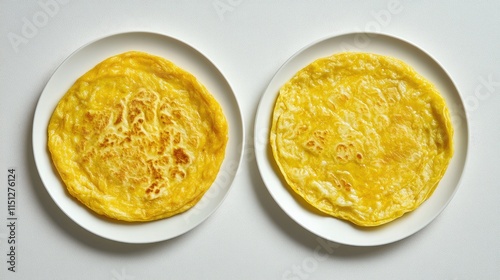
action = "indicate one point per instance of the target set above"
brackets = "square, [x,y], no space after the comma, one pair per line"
[183,56]
[334,229]
[249,236]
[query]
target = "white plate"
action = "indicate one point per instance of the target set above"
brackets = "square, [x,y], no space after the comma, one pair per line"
[334,229]
[187,58]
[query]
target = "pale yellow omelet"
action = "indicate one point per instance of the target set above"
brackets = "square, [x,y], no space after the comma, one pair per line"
[361,137]
[137,138]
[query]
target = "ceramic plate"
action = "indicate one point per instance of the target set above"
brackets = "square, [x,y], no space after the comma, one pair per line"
[334,229]
[182,55]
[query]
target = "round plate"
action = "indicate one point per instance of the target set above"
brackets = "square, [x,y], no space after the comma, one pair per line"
[182,55]
[334,229]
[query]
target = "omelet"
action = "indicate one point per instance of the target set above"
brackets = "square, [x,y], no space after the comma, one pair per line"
[361,137]
[137,138]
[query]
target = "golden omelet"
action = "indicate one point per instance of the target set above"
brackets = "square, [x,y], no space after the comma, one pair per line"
[361,137]
[137,138]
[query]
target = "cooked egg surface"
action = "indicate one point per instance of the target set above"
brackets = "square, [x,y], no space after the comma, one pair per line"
[137,138]
[361,137]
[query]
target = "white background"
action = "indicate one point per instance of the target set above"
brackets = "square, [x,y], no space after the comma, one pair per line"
[249,236]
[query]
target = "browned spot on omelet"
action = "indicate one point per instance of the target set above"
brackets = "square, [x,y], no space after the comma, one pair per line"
[180,156]
[176,173]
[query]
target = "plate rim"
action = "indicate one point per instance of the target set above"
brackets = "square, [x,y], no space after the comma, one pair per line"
[236,162]
[260,161]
